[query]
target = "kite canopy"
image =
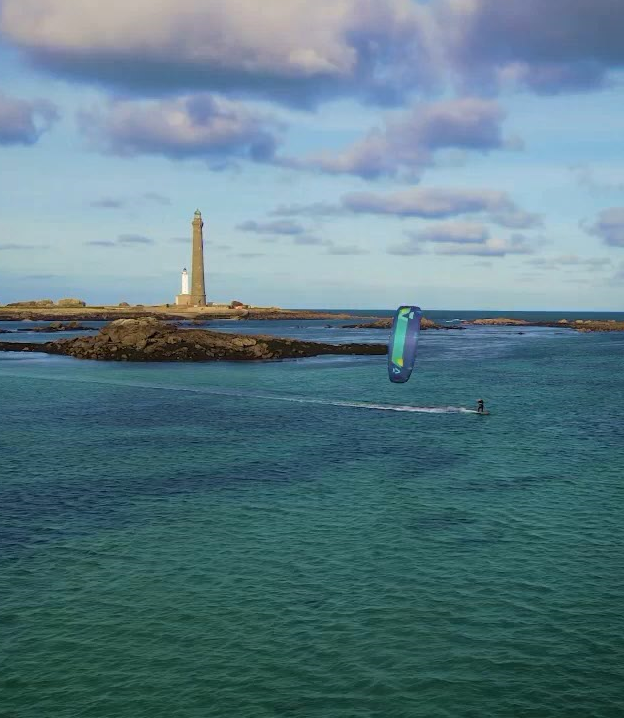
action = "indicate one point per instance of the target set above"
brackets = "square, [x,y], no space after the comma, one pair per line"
[403,343]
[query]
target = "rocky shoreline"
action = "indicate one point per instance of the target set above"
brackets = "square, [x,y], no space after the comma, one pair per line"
[579,325]
[108,314]
[143,340]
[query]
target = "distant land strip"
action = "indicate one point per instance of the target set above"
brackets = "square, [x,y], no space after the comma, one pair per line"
[110,313]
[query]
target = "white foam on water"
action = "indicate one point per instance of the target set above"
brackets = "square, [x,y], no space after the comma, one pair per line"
[237,393]
[382,407]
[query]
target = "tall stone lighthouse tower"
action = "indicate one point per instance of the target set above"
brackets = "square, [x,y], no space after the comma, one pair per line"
[198,285]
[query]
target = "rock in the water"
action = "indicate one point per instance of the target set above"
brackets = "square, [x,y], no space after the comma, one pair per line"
[386,323]
[152,340]
[501,322]
[58,327]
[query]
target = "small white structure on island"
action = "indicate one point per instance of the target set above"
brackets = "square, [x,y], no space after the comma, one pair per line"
[184,298]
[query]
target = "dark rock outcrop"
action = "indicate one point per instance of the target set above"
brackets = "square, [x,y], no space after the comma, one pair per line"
[501,322]
[386,323]
[580,325]
[33,303]
[596,325]
[58,327]
[290,314]
[151,340]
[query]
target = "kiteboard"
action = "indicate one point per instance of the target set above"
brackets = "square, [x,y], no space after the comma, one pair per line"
[482,413]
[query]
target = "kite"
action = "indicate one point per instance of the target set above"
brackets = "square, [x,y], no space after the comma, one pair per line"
[403,343]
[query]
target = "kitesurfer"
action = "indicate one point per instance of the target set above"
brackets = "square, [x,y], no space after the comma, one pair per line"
[480,407]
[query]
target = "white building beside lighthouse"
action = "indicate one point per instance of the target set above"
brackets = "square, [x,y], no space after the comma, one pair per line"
[184,298]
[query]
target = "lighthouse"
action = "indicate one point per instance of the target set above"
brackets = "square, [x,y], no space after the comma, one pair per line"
[195,294]
[198,293]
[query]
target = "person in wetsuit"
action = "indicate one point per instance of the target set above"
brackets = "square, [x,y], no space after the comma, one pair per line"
[480,407]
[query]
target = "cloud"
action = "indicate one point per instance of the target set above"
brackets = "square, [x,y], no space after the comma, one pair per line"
[345,249]
[515,218]
[617,279]
[124,240]
[119,203]
[156,198]
[22,122]
[10,246]
[474,235]
[408,141]
[129,239]
[570,260]
[558,46]
[407,249]
[218,130]
[303,52]
[107,203]
[492,247]
[585,177]
[283,227]
[458,232]
[195,126]
[424,203]
[428,203]
[308,239]
[316,209]
[610,226]
[462,238]
[296,52]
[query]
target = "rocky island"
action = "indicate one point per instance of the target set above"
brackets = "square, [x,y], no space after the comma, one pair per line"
[149,339]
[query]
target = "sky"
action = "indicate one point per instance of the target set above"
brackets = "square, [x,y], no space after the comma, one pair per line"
[455,154]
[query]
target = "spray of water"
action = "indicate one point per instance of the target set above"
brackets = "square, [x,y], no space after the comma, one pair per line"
[254,395]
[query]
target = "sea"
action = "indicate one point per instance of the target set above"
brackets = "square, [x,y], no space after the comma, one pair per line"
[305,539]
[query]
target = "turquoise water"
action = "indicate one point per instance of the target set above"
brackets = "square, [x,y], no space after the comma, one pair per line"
[259,540]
